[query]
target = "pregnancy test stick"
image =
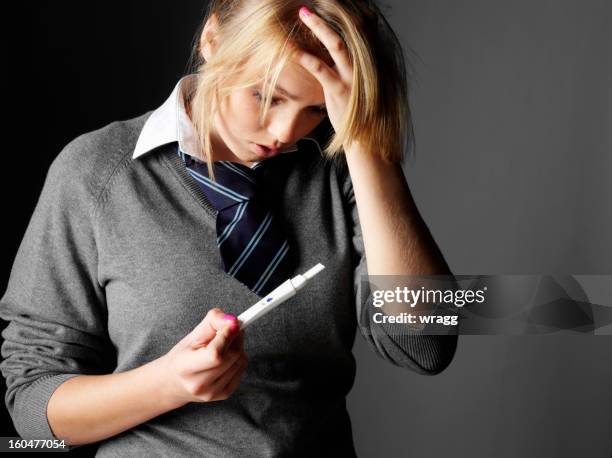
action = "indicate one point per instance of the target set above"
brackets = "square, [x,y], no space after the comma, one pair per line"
[284,291]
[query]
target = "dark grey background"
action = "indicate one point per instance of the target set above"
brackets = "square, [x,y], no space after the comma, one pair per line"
[512,105]
[513,116]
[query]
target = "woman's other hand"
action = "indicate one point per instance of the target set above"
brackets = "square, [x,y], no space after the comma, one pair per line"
[208,363]
[337,80]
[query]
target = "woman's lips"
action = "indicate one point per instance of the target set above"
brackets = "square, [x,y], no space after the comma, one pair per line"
[264,151]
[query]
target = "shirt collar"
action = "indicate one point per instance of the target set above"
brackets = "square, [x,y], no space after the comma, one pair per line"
[170,123]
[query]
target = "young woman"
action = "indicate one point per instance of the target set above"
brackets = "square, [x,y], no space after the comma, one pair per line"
[282,150]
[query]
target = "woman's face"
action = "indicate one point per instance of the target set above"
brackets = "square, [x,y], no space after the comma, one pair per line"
[292,114]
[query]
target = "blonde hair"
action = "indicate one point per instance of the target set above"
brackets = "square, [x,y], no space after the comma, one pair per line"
[257,31]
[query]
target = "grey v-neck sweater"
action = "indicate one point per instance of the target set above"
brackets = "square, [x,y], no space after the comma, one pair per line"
[119,262]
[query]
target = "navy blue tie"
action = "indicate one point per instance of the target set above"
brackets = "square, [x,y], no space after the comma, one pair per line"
[251,241]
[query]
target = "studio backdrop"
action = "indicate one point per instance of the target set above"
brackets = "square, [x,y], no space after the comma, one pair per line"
[512,106]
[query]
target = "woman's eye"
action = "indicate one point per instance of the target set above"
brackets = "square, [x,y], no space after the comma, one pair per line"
[319,111]
[259,97]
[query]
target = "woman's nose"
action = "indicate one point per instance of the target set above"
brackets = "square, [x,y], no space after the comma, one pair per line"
[283,129]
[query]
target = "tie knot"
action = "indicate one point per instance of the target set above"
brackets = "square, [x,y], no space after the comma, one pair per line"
[238,177]
[234,183]
[251,174]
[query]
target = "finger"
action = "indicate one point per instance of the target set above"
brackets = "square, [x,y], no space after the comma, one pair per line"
[206,330]
[223,338]
[238,342]
[319,69]
[221,386]
[234,382]
[215,355]
[234,343]
[332,41]
[211,374]
[236,337]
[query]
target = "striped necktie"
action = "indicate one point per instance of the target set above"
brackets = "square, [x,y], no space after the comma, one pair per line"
[251,241]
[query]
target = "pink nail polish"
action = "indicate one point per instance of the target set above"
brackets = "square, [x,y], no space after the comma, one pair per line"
[227,316]
[305,11]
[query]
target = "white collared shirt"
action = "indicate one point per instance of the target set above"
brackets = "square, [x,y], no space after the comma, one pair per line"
[170,123]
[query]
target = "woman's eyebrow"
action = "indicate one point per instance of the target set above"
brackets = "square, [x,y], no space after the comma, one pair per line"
[285,92]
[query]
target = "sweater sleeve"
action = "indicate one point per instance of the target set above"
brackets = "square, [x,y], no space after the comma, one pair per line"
[397,343]
[53,303]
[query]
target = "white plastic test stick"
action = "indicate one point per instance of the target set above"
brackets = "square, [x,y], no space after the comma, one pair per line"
[284,291]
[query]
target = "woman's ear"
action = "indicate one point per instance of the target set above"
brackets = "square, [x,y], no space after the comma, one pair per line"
[208,39]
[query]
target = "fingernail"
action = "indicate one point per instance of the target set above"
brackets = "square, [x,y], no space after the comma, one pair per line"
[233,327]
[228,316]
[305,11]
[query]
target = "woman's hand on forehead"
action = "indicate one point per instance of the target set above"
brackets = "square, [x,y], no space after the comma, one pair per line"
[337,81]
